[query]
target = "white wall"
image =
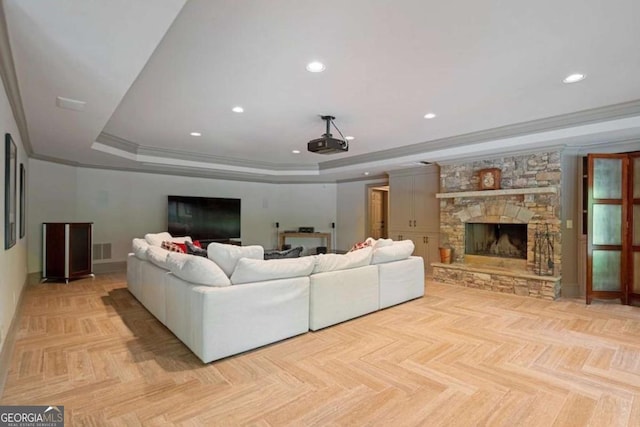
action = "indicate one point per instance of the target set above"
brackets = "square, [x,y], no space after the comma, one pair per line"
[51,198]
[13,261]
[123,205]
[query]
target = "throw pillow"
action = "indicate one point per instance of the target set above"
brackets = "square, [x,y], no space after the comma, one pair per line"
[173,247]
[180,240]
[227,256]
[360,245]
[289,253]
[195,249]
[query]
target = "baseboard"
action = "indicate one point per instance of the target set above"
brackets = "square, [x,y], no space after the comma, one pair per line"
[571,290]
[110,267]
[10,338]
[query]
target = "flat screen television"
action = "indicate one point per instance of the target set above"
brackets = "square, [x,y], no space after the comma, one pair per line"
[204,218]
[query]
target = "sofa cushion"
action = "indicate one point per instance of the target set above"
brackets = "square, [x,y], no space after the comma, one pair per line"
[227,256]
[139,247]
[258,270]
[334,262]
[289,253]
[156,239]
[380,243]
[398,250]
[195,269]
[158,256]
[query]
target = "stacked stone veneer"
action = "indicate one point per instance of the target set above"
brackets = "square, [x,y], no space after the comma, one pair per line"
[538,210]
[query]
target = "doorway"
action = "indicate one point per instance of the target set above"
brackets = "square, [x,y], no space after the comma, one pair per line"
[378,211]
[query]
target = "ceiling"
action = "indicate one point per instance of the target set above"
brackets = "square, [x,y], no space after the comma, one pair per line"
[150,72]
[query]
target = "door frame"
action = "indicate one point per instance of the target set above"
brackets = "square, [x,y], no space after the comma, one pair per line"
[368,190]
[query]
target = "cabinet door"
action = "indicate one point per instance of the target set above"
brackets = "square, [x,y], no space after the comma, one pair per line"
[401,202]
[423,248]
[54,254]
[606,269]
[426,208]
[80,247]
[634,271]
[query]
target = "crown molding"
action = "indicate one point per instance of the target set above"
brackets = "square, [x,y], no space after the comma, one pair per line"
[142,152]
[10,81]
[380,178]
[613,146]
[189,172]
[117,143]
[57,160]
[591,116]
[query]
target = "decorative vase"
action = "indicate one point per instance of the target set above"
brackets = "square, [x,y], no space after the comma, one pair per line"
[445,255]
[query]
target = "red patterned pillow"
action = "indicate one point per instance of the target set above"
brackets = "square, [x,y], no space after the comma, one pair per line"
[360,245]
[174,247]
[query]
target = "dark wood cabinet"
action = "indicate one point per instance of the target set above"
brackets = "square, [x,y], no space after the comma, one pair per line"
[67,250]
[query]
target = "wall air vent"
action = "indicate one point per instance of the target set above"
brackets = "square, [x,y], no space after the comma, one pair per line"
[70,104]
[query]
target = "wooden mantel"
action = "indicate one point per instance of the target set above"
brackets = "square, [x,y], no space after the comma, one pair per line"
[493,193]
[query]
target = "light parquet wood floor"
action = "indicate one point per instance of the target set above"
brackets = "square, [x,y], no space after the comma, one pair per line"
[457,357]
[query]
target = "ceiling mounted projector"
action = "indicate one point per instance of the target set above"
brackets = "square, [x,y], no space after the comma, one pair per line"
[327,144]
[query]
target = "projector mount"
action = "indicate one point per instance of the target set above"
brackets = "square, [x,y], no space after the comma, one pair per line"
[330,121]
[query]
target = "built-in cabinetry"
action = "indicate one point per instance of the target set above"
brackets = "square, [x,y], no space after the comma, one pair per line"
[67,250]
[414,212]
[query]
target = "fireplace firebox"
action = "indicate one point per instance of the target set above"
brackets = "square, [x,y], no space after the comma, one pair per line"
[496,240]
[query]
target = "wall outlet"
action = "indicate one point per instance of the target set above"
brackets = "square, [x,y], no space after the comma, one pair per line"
[569,224]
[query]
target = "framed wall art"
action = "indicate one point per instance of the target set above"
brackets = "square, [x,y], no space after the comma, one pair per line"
[23,201]
[10,197]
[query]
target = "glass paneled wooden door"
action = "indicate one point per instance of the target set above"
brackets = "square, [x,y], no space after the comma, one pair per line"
[635,228]
[613,242]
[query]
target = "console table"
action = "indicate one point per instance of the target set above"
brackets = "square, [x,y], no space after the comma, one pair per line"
[282,237]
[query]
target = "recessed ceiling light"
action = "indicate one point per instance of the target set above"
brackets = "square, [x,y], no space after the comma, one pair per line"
[315,67]
[366,174]
[429,116]
[237,109]
[349,138]
[195,134]
[574,78]
[295,151]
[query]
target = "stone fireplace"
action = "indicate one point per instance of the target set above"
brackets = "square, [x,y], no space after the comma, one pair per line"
[505,240]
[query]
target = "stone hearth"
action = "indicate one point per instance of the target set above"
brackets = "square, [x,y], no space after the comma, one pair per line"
[529,198]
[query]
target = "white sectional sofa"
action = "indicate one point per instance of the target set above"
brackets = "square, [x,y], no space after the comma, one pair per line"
[233,300]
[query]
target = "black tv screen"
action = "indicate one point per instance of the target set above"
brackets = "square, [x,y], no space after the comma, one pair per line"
[204,218]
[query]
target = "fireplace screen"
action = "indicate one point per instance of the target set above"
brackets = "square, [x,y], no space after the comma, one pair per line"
[498,240]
